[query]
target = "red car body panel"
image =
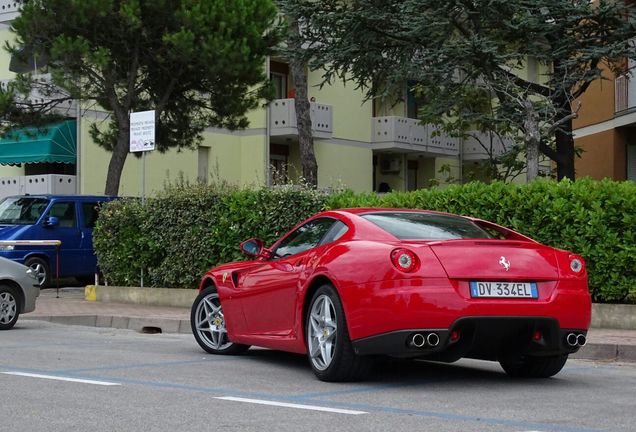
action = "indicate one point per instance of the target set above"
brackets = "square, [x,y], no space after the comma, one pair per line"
[264,300]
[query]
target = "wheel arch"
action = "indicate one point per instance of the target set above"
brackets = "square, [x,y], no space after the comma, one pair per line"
[316,283]
[18,290]
[206,282]
[40,255]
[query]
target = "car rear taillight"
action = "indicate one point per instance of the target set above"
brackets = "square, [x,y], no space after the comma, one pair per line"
[404,260]
[576,264]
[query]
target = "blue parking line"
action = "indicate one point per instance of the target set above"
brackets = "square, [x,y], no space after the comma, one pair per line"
[147,365]
[521,424]
[358,389]
[517,424]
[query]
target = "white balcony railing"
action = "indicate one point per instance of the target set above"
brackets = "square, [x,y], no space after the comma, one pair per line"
[38,96]
[282,119]
[480,146]
[9,10]
[621,92]
[409,134]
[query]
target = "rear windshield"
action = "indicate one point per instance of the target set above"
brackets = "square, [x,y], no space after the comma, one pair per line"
[21,210]
[426,226]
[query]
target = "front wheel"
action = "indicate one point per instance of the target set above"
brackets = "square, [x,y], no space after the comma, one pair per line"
[9,308]
[534,367]
[328,345]
[208,324]
[41,269]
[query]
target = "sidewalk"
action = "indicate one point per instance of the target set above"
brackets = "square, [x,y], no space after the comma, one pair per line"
[71,308]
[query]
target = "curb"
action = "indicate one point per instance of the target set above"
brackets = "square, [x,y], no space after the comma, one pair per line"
[591,351]
[142,325]
[608,352]
[169,297]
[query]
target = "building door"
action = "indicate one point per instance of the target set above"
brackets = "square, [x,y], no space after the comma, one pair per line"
[278,164]
[202,169]
[411,175]
[631,162]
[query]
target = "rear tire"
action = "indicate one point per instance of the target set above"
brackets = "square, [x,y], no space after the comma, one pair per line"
[9,307]
[534,367]
[208,325]
[329,348]
[41,269]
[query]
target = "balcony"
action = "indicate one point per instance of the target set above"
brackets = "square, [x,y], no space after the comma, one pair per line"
[282,119]
[624,94]
[40,96]
[9,10]
[409,135]
[481,145]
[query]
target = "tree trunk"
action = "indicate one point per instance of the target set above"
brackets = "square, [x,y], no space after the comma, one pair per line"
[565,149]
[117,160]
[565,143]
[308,162]
[532,139]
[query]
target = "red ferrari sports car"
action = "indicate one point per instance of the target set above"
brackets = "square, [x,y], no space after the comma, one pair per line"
[347,286]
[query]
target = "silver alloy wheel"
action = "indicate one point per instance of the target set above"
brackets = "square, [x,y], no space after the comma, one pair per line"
[39,271]
[8,308]
[210,322]
[322,332]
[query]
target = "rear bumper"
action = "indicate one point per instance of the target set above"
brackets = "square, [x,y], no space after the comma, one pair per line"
[388,306]
[487,338]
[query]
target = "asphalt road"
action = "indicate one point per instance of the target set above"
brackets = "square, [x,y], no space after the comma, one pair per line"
[70,378]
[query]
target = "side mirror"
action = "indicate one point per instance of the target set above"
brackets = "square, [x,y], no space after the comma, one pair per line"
[254,247]
[51,221]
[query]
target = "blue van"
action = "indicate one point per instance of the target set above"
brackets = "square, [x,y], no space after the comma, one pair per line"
[68,218]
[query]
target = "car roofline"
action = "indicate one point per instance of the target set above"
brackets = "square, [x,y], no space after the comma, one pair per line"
[367,210]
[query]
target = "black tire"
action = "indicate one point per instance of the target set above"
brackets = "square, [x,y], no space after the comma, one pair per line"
[41,268]
[335,361]
[208,325]
[534,367]
[9,307]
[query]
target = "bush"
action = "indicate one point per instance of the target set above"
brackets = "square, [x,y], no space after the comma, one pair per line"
[596,219]
[178,235]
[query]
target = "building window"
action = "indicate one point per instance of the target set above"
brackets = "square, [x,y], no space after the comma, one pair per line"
[278,73]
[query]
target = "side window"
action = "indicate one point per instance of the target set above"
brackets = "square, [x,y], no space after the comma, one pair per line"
[90,211]
[304,238]
[337,230]
[65,212]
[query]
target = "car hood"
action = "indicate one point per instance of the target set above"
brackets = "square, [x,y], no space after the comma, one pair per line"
[12,232]
[496,259]
[11,268]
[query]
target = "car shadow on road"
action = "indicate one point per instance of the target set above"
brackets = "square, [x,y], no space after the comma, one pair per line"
[400,372]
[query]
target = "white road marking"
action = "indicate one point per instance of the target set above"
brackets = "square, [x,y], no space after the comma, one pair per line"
[291,405]
[60,378]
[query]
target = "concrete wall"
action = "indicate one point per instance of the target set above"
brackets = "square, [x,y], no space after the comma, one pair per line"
[597,103]
[344,165]
[603,155]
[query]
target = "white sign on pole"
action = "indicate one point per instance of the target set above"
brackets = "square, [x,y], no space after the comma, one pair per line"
[142,131]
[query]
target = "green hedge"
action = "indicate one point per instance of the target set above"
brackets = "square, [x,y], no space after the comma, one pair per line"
[181,233]
[185,230]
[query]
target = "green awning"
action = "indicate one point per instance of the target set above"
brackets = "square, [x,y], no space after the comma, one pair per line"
[52,143]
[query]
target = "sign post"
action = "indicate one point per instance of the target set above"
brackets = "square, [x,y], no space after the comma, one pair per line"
[142,139]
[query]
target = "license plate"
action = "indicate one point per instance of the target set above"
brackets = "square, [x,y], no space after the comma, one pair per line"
[504,289]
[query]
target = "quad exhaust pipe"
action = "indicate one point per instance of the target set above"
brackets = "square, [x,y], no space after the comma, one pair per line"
[432,339]
[418,340]
[575,340]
